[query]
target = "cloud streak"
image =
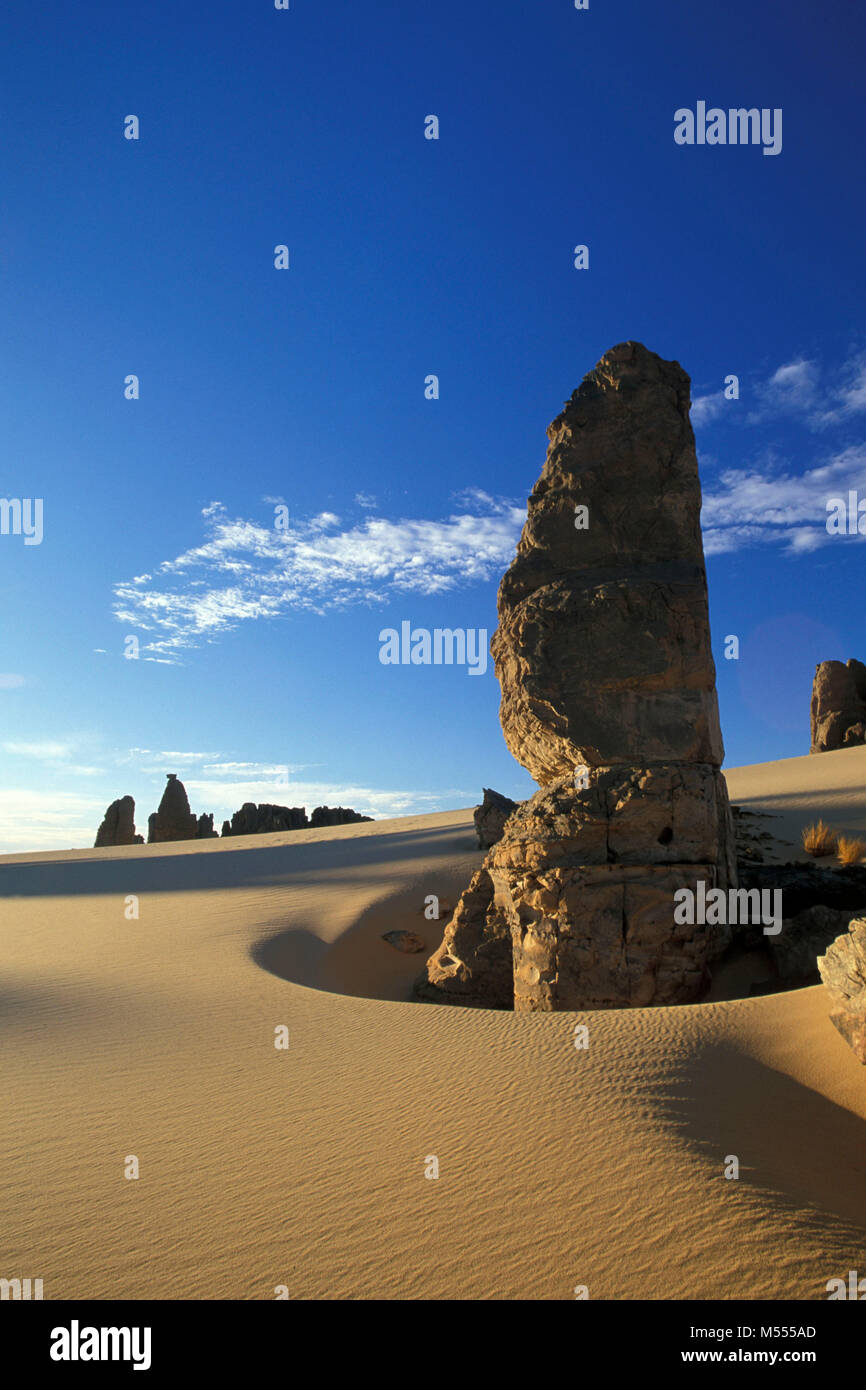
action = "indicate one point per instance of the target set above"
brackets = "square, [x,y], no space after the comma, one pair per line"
[775,507]
[245,571]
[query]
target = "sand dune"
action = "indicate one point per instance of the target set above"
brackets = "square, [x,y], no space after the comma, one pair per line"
[797,790]
[305,1167]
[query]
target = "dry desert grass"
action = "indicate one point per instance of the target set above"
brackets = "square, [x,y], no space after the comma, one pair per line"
[819,840]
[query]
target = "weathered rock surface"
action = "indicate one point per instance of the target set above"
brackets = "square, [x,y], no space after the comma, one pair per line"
[843,970]
[336,815]
[118,825]
[568,913]
[838,711]
[490,817]
[173,820]
[603,646]
[608,698]
[205,830]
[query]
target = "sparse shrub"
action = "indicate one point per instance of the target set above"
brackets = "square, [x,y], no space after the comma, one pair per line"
[850,850]
[819,840]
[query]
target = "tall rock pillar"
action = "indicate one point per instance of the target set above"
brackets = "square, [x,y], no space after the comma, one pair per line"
[608,699]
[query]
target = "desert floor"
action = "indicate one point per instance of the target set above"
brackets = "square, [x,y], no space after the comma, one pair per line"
[305,1166]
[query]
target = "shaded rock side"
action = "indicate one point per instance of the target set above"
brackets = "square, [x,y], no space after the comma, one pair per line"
[473,965]
[336,815]
[265,819]
[118,825]
[204,828]
[173,820]
[490,817]
[838,708]
[843,970]
[603,646]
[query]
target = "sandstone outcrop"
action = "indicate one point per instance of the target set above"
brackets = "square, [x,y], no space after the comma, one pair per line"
[490,817]
[204,828]
[608,699]
[473,965]
[843,970]
[173,820]
[838,710]
[118,825]
[265,819]
[336,815]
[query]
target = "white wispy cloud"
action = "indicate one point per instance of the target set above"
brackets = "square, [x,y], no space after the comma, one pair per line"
[793,389]
[706,408]
[848,397]
[770,505]
[10,681]
[801,389]
[208,794]
[244,571]
[46,751]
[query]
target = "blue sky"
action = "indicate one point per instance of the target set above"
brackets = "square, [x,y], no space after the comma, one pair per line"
[258,676]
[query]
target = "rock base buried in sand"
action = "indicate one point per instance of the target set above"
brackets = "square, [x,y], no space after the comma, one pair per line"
[843,970]
[573,908]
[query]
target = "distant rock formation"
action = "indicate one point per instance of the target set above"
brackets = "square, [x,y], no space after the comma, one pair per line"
[173,820]
[335,815]
[118,826]
[608,698]
[490,817]
[838,712]
[843,970]
[265,819]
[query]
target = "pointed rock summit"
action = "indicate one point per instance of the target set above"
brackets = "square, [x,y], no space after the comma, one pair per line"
[603,646]
[173,820]
[608,699]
